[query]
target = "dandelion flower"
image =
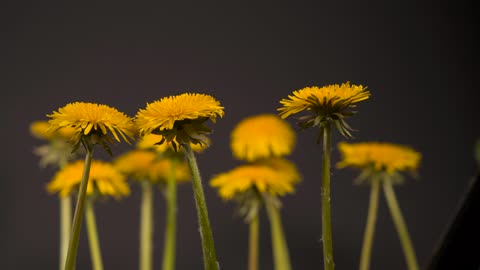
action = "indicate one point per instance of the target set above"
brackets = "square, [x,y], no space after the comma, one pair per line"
[381,164]
[58,151]
[327,104]
[262,177]
[179,118]
[145,165]
[40,129]
[95,120]
[262,136]
[105,180]
[378,156]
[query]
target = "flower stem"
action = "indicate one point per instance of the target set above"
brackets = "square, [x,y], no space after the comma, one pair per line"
[95,253]
[65,228]
[400,225]
[208,246]
[279,244]
[325,197]
[253,243]
[78,215]
[370,228]
[170,230]
[146,226]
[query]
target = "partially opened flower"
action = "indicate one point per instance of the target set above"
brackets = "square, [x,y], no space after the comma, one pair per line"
[179,119]
[96,121]
[105,180]
[381,164]
[262,136]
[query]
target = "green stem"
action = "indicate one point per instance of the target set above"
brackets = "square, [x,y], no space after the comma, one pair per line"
[146,226]
[170,230]
[253,243]
[78,215]
[325,196]
[65,228]
[400,225]
[279,244]
[370,228]
[208,246]
[95,253]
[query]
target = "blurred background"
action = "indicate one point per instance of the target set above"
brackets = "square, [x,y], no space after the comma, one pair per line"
[418,58]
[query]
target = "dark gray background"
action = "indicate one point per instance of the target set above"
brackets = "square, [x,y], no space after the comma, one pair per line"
[419,59]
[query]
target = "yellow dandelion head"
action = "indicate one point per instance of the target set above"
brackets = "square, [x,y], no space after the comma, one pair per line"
[262,136]
[41,130]
[327,99]
[104,180]
[92,118]
[381,157]
[149,141]
[145,165]
[179,118]
[163,114]
[265,178]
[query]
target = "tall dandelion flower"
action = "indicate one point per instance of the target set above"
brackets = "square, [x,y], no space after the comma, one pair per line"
[57,152]
[93,124]
[252,186]
[105,180]
[262,136]
[382,164]
[326,105]
[180,120]
[148,169]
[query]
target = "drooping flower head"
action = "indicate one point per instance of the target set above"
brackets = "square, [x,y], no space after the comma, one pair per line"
[179,119]
[104,180]
[144,165]
[275,177]
[96,121]
[262,136]
[376,157]
[327,104]
[150,141]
